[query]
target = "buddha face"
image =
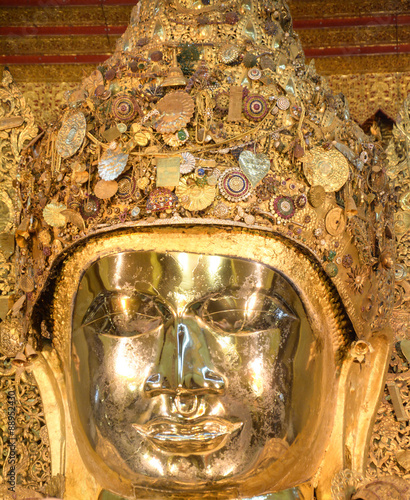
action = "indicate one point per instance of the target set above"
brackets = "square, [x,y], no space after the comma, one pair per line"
[191,371]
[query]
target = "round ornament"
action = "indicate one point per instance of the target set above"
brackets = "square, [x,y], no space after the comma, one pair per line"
[234,185]
[283,103]
[161,199]
[316,196]
[229,53]
[222,102]
[329,169]
[124,107]
[300,201]
[194,197]
[335,221]
[126,187]
[187,163]
[105,189]
[283,206]
[254,73]
[122,128]
[90,208]
[53,215]
[331,269]
[112,163]
[255,107]
[71,135]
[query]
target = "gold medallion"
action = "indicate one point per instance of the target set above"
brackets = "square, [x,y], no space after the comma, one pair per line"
[329,169]
[335,221]
[316,196]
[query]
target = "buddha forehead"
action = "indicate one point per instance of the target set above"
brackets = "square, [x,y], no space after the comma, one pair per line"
[181,277]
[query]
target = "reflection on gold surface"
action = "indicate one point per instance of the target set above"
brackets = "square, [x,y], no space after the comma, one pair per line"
[194,372]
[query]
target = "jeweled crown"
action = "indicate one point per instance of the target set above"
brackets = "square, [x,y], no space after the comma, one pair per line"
[207,114]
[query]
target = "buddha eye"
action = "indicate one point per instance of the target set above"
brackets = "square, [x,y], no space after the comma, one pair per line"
[233,314]
[119,315]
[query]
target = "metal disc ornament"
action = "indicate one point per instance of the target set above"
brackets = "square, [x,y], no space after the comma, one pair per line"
[316,196]
[71,135]
[124,107]
[234,185]
[126,187]
[255,107]
[283,103]
[329,169]
[254,73]
[90,208]
[105,189]
[335,221]
[112,163]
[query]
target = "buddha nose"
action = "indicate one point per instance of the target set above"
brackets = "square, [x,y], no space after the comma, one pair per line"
[185,365]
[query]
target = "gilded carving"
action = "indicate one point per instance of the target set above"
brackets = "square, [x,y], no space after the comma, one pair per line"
[25,461]
[17,128]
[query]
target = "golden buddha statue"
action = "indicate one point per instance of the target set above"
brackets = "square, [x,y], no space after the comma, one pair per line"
[205,269]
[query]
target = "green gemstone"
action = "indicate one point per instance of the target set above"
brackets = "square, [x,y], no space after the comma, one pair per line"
[181,135]
[332,255]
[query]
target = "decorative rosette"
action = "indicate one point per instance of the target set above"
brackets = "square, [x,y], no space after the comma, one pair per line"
[222,102]
[126,187]
[112,163]
[283,103]
[195,197]
[124,107]
[255,107]
[90,208]
[301,201]
[175,111]
[234,185]
[254,73]
[229,53]
[283,206]
[161,199]
[53,215]
[187,163]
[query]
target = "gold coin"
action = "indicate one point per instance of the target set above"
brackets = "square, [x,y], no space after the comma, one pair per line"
[335,221]
[316,196]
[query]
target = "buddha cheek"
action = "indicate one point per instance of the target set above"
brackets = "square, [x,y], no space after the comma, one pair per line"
[259,377]
[117,378]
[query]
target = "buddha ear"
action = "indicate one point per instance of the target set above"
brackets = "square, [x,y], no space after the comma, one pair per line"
[361,384]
